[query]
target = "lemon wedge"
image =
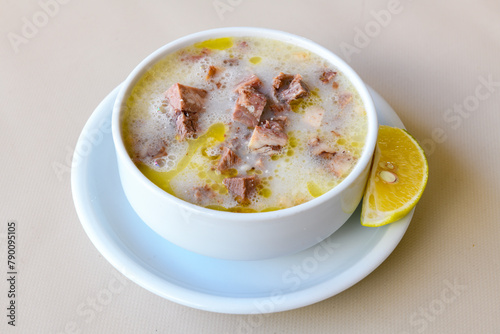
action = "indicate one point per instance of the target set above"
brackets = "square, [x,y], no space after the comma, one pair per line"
[397,179]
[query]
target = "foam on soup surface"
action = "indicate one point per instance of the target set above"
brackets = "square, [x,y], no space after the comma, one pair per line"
[244,125]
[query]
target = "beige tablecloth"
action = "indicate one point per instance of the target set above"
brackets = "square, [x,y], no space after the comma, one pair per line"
[436,62]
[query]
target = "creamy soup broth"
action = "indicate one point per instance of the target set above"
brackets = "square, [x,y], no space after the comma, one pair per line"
[298,148]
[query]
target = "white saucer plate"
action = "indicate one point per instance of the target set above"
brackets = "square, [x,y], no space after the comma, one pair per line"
[239,287]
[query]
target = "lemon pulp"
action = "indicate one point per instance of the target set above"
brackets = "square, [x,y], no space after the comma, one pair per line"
[397,179]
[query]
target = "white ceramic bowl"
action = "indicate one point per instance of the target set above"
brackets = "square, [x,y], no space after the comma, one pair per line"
[242,236]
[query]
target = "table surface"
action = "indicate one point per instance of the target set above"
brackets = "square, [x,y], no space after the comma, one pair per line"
[436,63]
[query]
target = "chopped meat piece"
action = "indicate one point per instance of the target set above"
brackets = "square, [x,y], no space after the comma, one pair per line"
[231,61]
[249,107]
[314,116]
[327,76]
[185,98]
[268,138]
[185,124]
[250,103]
[344,99]
[202,194]
[335,85]
[227,160]
[241,187]
[320,148]
[278,108]
[280,83]
[340,163]
[296,90]
[281,120]
[212,70]
[252,81]
[186,102]
[287,88]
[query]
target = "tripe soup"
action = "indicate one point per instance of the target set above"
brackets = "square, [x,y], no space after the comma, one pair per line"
[244,124]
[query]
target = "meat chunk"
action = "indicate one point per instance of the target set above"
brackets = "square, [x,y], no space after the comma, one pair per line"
[287,88]
[186,124]
[344,99]
[281,82]
[186,103]
[296,90]
[314,116]
[268,138]
[320,148]
[327,75]
[227,160]
[281,120]
[250,103]
[340,163]
[186,98]
[252,81]
[212,71]
[249,106]
[203,194]
[279,108]
[241,187]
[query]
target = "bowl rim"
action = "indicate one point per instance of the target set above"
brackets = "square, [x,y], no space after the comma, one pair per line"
[129,83]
